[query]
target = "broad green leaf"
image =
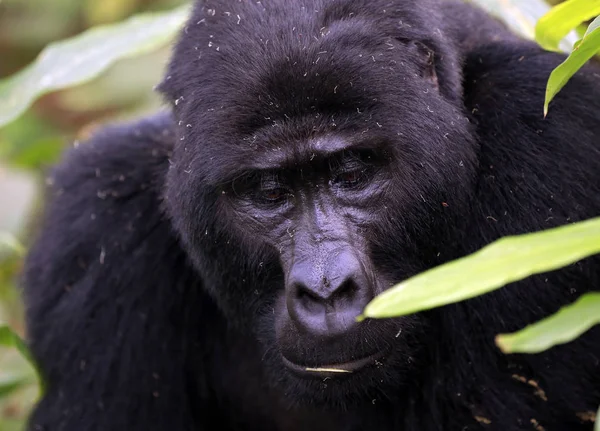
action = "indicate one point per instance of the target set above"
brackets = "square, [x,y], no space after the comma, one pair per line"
[583,51]
[563,18]
[522,16]
[597,427]
[504,261]
[564,326]
[82,58]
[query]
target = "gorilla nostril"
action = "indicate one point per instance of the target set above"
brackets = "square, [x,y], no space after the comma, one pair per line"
[327,296]
[346,292]
[324,298]
[309,300]
[328,307]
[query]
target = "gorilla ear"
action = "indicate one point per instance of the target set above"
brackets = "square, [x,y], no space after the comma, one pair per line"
[425,57]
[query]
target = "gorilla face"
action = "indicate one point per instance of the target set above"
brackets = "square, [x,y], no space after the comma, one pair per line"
[322,157]
[315,205]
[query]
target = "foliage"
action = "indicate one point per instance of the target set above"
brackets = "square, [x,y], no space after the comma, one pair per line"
[80,59]
[508,259]
[511,259]
[8,338]
[584,49]
[523,16]
[64,110]
[556,24]
[9,241]
[569,323]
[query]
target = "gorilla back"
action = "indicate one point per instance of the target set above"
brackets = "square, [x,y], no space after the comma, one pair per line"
[205,266]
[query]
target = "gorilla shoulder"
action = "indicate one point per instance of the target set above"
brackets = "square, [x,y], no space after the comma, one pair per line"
[100,290]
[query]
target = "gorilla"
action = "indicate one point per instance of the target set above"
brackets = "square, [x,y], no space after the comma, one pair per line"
[203,267]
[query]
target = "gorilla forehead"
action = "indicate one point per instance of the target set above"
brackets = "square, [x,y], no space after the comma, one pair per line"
[245,27]
[284,63]
[223,38]
[316,66]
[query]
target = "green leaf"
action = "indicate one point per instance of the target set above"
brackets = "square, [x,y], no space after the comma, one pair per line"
[10,384]
[564,326]
[563,18]
[584,50]
[82,58]
[504,261]
[8,338]
[522,16]
[593,26]
[597,427]
[9,241]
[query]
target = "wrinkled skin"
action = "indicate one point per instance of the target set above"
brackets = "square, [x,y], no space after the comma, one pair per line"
[208,264]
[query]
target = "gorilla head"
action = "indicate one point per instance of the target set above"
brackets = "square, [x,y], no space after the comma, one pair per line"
[322,156]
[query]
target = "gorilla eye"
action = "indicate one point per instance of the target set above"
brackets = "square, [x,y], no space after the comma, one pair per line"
[271,191]
[350,178]
[353,169]
[273,195]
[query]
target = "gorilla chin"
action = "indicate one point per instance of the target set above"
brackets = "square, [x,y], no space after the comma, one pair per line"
[342,367]
[342,385]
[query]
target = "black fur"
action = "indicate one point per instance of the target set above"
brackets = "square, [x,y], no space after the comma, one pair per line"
[153,295]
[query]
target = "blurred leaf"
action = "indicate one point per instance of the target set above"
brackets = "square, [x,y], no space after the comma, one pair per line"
[19,190]
[42,152]
[124,85]
[8,338]
[19,390]
[593,26]
[556,24]
[521,16]
[504,261]
[597,427]
[51,20]
[30,142]
[564,326]
[10,384]
[9,241]
[82,58]
[583,51]
[105,11]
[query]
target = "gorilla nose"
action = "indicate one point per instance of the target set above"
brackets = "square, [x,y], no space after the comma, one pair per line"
[326,303]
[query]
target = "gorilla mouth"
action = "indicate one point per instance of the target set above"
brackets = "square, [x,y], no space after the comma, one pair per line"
[332,370]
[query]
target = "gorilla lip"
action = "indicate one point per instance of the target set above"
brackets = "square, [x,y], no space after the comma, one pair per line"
[332,370]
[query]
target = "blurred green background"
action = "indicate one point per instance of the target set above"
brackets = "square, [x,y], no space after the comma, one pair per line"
[31,144]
